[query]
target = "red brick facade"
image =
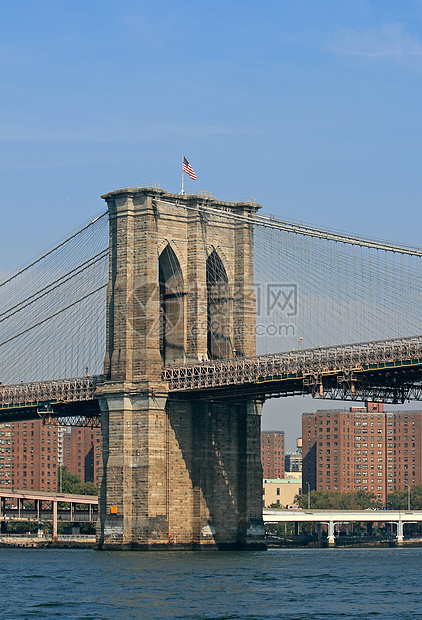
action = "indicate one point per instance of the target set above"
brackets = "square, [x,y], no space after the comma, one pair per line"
[272,454]
[31,453]
[82,453]
[362,449]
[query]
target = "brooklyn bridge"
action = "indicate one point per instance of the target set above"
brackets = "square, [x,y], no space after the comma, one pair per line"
[169,320]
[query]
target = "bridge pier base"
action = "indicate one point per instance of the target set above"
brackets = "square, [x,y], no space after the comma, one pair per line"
[331,534]
[179,474]
[400,536]
[132,500]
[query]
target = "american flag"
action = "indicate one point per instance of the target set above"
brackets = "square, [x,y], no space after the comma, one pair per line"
[188,168]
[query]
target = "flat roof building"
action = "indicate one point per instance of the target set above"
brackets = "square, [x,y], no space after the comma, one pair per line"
[281,492]
[362,448]
[272,454]
[30,454]
[82,453]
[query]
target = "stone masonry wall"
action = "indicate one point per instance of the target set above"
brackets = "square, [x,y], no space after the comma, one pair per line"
[175,473]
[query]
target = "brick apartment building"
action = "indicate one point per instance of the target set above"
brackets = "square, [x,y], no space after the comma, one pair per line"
[81,452]
[362,449]
[272,454]
[31,453]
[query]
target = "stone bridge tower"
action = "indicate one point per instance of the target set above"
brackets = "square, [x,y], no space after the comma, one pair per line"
[177,472]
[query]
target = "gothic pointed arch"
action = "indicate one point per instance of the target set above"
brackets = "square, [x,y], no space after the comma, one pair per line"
[223,258]
[172,308]
[219,325]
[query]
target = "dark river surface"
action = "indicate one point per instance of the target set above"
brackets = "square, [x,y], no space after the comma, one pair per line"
[279,583]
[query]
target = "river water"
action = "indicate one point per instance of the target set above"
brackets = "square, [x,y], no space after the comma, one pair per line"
[279,583]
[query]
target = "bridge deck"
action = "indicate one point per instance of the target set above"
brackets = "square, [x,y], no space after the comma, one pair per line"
[390,370]
[339,370]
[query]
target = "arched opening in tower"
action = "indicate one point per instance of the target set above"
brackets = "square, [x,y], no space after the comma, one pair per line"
[172,308]
[219,326]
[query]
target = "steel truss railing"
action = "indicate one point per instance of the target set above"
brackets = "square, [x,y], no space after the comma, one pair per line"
[311,365]
[83,421]
[48,392]
[348,371]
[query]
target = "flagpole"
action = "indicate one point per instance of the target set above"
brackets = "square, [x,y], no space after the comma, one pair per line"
[183,191]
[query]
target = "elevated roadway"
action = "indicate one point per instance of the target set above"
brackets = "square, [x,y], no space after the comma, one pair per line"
[37,505]
[387,370]
[332,517]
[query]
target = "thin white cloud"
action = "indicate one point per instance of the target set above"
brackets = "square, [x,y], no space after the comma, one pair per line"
[114,133]
[390,41]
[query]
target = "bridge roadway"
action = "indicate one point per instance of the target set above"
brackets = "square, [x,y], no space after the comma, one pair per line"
[333,517]
[388,370]
[18,498]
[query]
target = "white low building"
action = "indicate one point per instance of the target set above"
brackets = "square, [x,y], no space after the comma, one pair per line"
[281,491]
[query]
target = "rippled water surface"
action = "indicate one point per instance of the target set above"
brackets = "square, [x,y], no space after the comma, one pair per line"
[294,584]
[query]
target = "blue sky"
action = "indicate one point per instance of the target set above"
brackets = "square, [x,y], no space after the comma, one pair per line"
[311,107]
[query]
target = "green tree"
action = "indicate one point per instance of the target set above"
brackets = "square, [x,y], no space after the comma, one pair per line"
[399,499]
[73,484]
[322,500]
